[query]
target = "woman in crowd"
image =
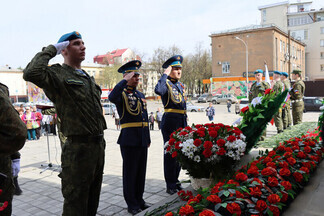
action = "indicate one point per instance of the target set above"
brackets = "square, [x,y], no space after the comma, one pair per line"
[30,120]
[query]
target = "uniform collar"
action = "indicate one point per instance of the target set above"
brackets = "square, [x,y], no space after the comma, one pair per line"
[130,89]
[172,80]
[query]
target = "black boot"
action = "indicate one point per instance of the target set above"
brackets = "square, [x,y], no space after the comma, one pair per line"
[18,191]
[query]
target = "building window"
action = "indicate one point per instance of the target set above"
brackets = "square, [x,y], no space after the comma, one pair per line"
[322,43]
[322,67]
[280,47]
[322,55]
[305,34]
[264,15]
[226,67]
[322,30]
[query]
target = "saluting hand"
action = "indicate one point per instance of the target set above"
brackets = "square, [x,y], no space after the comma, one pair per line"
[61,46]
[129,76]
[168,70]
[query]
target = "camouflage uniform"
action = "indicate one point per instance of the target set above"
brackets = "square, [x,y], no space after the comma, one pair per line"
[13,133]
[76,98]
[297,94]
[277,88]
[286,116]
[256,89]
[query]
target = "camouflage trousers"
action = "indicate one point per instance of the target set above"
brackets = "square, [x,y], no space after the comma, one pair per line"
[81,176]
[278,120]
[297,112]
[6,184]
[286,117]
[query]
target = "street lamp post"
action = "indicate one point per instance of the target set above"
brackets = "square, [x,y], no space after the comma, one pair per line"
[246,64]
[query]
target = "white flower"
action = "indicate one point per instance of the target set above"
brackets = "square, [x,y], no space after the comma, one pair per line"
[197,158]
[256,101]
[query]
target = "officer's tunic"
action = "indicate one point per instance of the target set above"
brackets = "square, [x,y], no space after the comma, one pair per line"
[134,140]
[257,88]
[277,88]
[286,116]
[297,94]
[76,98]
[174,117]
[13,134]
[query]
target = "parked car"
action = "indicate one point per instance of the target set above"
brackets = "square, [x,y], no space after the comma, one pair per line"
[109,108]
[223,98]
[193,108]
[312,104]
[244,103]
[206,97]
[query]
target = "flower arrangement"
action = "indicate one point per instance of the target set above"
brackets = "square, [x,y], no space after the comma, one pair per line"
[205,150]
[257,115]
[4,205]
[263,187]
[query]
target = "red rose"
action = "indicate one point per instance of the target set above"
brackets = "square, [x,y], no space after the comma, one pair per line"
[261,205]
[231,138]
[275,210]
[286,185]
[241,177]
[174,154]
[4,205]
[239,194]
[267,159]
[231,181]
[186,210]
[291,161]
[207,153]
[284,164]
[244,109]
[183,133]
[168,148]
[177,145]
[214,199]
[234,208]
[197,142]
[207,212]
[268,171]
[301,155]
[221,151]
[171,141]
[271,164]
[253,170]
[280,148]
[221,142]
[284,172]
[307,164]
[284,197]
[267,91]
[273,182]
[259,181]
[288,149]
[272,153]
[208,145]
[169,214]
[201,133]
[213,134]
[298,176]
[287,154]
[256,192]
[188,128]
[274,198]
[305,169]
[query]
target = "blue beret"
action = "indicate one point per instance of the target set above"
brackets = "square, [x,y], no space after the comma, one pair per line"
[277,72]
[70,36]
[258,71]
[130,67]
[284,74]
[174,61]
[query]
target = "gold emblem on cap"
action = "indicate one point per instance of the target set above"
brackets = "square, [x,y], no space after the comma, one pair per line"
[77,33]
[178,57]
[137,63]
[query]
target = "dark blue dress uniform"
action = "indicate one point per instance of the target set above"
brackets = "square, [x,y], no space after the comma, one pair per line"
[174,117]
[134,137]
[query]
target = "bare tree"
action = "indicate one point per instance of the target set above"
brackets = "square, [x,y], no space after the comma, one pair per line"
[110,77]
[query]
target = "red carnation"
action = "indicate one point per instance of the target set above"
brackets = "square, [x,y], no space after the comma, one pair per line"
[231,138]
[273,182]
[284,172]
[307,149]
[291,161]
[4,205]
[186,210]
[169,214]
[221,142]
[301,155]
[271,153]
[213,134]
[305,169]
[267,91]
[286,185]
[239,194]
[241,177]
[253,171]
[273,198]
[168,148]
[208,145]
[267,159]
[298,176]
[207,153]
[234,208]
[256,192]
[284,197]
[231,181]
[177,145]
[287,155]
[171,141]
[214,199]
[271,164]
[174,154]
[201,133]
[259,181]
[244,109]
[261,205]
[221,151]
[283,164]
[268,171]
[207,212]
[197,142]
[280,148]
[275,210]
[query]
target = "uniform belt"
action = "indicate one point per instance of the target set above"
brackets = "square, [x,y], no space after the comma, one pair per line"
[294,101]
[134,124]
[175,111]
[95,138]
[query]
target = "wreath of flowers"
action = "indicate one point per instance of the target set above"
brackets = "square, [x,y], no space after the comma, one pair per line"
[263,187]
[201,148]
[4,205]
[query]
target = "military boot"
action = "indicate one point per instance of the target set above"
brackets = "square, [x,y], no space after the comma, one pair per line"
[18,191]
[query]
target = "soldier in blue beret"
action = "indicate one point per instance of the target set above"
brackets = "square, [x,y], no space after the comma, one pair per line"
[171,91]
[134,138]
[76,98]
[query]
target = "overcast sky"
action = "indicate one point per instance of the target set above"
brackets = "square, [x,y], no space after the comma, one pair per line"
[105,25]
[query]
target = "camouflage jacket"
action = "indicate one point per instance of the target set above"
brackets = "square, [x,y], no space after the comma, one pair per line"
[287,86]
[13,131]
[278,87]
[257,88]
[76,96]
[298,90]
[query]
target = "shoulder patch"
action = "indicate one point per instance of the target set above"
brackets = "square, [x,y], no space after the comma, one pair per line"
[74,82]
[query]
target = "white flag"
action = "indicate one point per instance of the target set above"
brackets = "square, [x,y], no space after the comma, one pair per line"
[266,75]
